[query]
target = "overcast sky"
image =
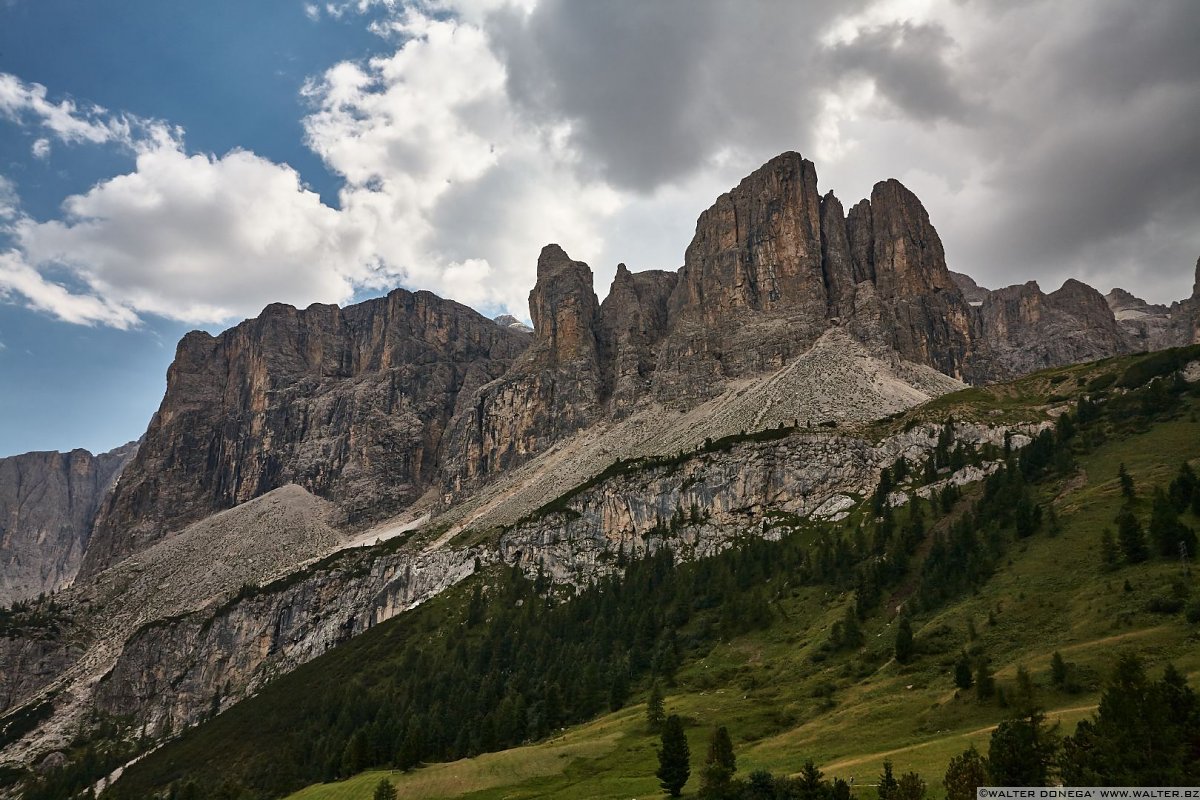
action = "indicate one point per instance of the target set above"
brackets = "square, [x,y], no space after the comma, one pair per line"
[169,168]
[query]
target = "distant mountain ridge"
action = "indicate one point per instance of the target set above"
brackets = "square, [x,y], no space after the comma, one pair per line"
[448,432]
[379,404]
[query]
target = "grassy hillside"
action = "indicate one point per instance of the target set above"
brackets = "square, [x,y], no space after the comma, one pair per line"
[783,709]
[788,683]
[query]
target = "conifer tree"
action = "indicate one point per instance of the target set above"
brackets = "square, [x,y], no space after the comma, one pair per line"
[1130,537]
[719,764]
[656,713]
[1126,481]
[985,684]
[965,774]
[904,641]
[1183,486]
[1166,531]
[911,786]
[962,671]
[1022,751]
[1058,670]
[673,757]
[384,790]
[887,783]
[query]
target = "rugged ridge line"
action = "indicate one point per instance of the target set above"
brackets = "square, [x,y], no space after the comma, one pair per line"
[373,405]
[350,403]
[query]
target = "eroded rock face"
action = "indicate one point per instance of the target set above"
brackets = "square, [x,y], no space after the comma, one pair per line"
[1150,326]
[48,502]
[351,404]
[168,673]
[838,263]
[972,292]
[372,405]
[1027,329]
[553,390]
[922,313]
[633,320]
[751,294]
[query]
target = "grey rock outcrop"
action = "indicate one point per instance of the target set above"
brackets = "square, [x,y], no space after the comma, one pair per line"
[1026,329]
[633,320]
[972,292]
[921,312]
[1150,326]
[552,390]
[350,403]
[509,321]
[48,503]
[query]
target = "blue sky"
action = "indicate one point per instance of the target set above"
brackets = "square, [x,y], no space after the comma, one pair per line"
[228,72]
[170,166]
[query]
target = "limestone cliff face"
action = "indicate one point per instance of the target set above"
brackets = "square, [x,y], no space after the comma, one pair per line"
[758,248]
[553,390]
[773,264]
[921,311]
[633,320]
[48,502]
[372,405]
[1026,329]
[167,673]
[350,403]
[1155,327]
[751,294]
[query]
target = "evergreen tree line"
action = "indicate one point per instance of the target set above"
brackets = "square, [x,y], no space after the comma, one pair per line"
[1145,733]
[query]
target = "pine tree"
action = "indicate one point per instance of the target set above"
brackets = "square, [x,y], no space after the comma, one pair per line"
[1025,695]
[719,764]
[1058,670]
[656,713]
[962,671]
[911,786]
[384,790]
[1131,539]
[904,641]
[673,757]
[1022,751]
[1166,531]
[985,684]
[1126,482]
[1182,488]
[887,783]
[965,774]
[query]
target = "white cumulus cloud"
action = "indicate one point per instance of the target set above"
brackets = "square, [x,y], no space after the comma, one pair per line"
[193,238]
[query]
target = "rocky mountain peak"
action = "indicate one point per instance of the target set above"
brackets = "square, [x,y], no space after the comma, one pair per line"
[563,306]
[633,320]
[509,321]
[908,255]
[972,292]
[758,247]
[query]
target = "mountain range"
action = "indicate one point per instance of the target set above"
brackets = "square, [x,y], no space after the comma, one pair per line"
[313,472]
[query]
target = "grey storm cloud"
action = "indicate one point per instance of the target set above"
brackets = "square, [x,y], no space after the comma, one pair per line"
[1061,137]
[909,64]
[658,90]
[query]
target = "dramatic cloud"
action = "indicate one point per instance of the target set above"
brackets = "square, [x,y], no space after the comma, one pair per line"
[665,89]
[192,238]
[1045,144]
